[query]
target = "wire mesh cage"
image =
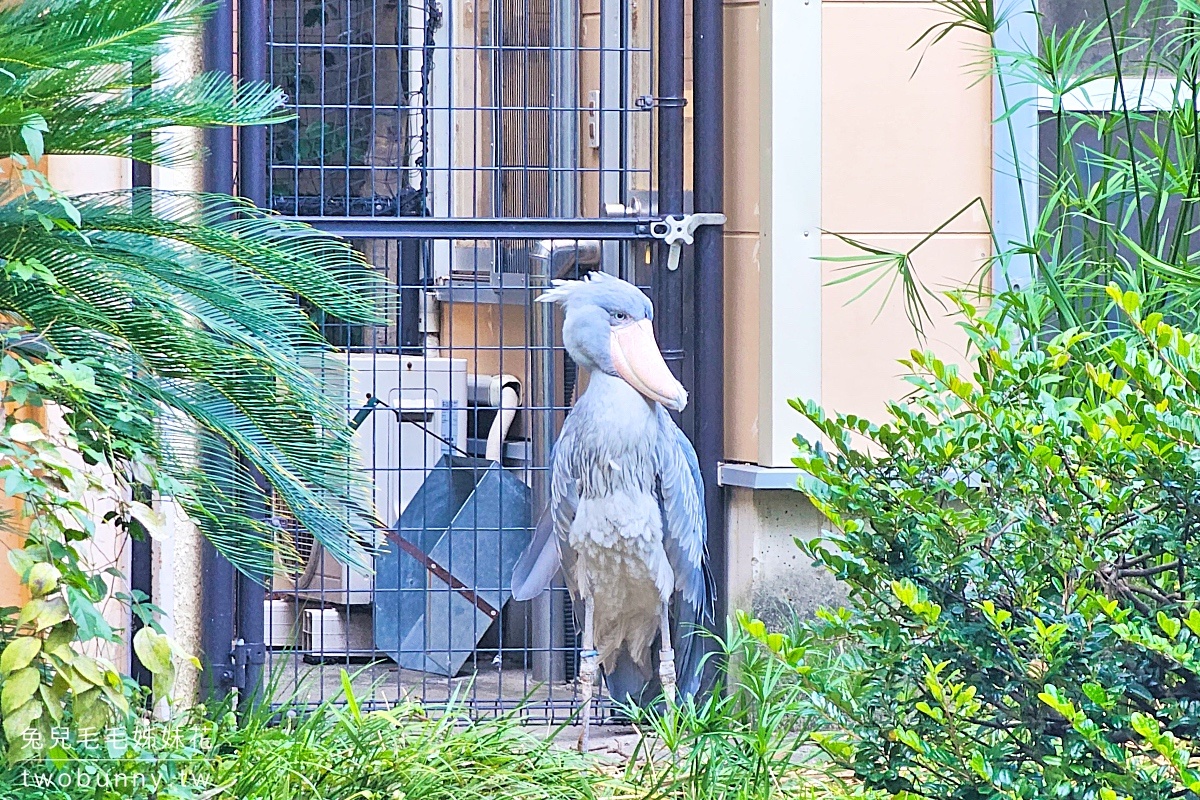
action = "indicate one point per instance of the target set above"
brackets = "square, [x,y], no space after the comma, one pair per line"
[422,130]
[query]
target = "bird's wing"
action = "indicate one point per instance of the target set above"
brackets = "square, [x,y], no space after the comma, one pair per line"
[548,552]
[685,530]
[685,527]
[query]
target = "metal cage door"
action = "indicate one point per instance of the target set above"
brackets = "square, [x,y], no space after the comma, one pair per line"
[473,151]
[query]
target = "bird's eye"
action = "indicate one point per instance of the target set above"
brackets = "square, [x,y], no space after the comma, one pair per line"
[620,316]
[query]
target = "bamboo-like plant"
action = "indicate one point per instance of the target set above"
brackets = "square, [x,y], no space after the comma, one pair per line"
[183,305]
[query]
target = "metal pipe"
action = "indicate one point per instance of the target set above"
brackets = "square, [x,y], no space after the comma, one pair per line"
[465,228]
[564,102]
[218,577]
[708,162]
[252,68]
[141,579]
[667,285]
[250,649]
[410,296]
[506,411]
[548,260]
[141,550]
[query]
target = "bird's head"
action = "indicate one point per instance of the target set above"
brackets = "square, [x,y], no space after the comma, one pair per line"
[608,326]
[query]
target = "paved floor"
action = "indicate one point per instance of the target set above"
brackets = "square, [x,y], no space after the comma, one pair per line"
[617,741]
[490,689]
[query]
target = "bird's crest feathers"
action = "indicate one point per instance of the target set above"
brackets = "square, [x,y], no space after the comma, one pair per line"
[563,290]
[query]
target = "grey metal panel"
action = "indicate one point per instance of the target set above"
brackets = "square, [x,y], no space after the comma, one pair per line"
[471,519]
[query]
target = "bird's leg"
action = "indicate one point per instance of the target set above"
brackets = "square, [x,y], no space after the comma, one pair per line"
[666,658]
[587,671]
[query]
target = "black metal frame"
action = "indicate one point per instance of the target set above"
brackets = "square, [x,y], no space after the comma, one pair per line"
[233,624]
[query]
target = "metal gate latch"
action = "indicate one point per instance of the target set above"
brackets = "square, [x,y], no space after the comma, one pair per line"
[678,231]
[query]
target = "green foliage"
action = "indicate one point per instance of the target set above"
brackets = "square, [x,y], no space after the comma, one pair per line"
[184,305]
[48,678]
[164,330]
[66,84]
[1023,567]
[344,751]
[1020,537]
[745,741]
[295,752]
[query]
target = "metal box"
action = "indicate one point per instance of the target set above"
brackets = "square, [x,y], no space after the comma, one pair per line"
[444,575]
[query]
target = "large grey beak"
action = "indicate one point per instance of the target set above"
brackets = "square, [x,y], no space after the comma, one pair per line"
[639,362]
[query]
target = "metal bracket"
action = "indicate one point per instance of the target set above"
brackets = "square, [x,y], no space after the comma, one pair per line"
[649,101]
[678,231]
[242,655]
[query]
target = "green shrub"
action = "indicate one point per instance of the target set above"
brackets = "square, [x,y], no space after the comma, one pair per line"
[1024,571]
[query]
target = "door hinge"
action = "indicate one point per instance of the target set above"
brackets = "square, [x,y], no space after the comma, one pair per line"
[243,655]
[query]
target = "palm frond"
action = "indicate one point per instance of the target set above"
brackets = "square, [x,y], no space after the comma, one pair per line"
[189,312]
[71,63]
[55,35]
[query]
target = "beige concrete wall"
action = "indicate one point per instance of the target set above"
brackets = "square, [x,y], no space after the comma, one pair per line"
[743,228]
[770,575]
[904,148]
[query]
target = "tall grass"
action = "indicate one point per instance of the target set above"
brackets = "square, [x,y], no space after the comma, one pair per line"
[340,751]
[746,741]
[335,751]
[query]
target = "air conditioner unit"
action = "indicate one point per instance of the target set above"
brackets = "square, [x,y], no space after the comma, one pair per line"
[410,412]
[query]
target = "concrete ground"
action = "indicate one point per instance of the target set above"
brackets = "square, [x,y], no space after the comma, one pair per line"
[489,689]
[612,740]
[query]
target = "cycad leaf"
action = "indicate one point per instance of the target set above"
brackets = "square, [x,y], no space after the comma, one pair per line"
[189,312]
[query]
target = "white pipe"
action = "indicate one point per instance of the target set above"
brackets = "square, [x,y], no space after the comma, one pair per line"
[504,419]
[503,393]
[431,323]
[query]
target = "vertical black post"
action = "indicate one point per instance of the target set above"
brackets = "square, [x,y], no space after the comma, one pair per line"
[141,581]
[141,548]
[252,184]
[218,577]
[410,295]
[218,57]
[708,160]
[668,285]
[252,68]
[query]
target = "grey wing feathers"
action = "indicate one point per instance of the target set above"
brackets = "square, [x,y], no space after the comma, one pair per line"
[539,563]
[685,531]
[685,528]
[548,553]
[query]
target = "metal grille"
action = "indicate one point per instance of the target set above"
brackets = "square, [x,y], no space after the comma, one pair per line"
[473,152]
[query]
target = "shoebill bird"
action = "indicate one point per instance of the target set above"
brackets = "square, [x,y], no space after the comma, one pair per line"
[625,523]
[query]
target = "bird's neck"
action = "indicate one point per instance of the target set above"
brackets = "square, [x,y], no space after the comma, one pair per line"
[612,391]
